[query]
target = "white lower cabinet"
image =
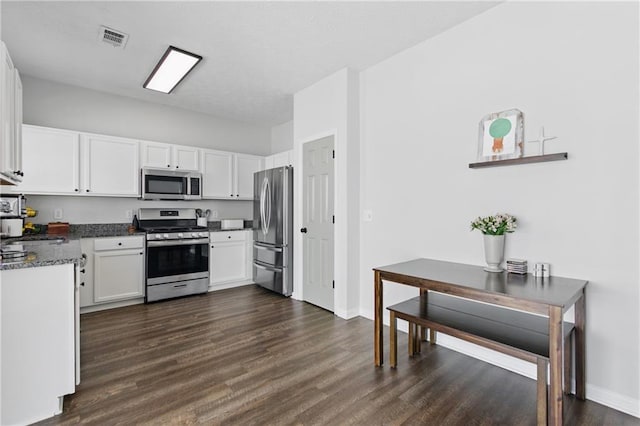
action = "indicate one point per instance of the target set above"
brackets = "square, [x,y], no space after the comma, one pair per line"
[86,273]
[117,269]
[37,342]
[230,257]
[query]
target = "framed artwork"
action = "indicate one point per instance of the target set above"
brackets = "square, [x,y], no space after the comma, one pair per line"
[501,136]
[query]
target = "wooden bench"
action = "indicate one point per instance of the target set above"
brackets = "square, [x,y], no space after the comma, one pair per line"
[519,334]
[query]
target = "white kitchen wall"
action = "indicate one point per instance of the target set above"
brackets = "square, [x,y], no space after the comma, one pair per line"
[51,104]
[570,66]
[77,210]
[331,107]
[282,137]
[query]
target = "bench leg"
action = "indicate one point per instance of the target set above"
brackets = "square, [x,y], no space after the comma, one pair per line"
[542,391]
[412,339]
[393,340]
[432,336]
[568,346]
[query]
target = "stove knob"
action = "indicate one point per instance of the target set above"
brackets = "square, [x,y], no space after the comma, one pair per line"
[166,236]
[158,236]
[203,234]
[194,234]
[180,235]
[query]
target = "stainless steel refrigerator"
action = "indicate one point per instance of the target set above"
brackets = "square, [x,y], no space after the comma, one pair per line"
[273,229]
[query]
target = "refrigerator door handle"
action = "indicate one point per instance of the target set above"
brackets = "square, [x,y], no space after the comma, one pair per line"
[263,193]
[268,204]
[260,265]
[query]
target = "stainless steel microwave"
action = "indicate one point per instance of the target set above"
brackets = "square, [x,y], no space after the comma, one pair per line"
[159,184]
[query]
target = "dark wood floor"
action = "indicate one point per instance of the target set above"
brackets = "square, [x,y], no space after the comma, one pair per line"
[247,356]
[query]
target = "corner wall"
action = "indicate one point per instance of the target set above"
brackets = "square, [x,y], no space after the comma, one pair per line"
[572,67]
[331,107]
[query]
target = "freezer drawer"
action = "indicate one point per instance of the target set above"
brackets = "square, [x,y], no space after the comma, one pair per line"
[275,256]
[273,278]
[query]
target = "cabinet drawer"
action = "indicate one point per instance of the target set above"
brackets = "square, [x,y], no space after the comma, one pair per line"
[218,237]
[118,243]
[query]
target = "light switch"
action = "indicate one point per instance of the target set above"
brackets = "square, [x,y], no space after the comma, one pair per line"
[57,214]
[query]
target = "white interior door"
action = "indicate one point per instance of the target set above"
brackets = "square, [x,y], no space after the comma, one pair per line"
[317,256]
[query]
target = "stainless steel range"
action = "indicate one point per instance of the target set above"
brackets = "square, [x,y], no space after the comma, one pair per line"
[177,259]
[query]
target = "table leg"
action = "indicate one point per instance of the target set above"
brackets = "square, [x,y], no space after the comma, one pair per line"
[555,365]
[423,330]
[579,342]
[542,392]
[377,320]
[412,338]
[393,340]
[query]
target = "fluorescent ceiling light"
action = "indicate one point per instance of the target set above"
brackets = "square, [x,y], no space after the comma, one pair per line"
[174,65]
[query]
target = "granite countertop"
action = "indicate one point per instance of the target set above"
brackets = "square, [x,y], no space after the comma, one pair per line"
[45,253]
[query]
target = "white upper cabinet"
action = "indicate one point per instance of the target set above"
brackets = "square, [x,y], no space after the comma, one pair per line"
[51,161]
[65,162]
[245,166]
[279,160]
[155,154]
[217,174]
[167,156]
[110,166]
[186,158]
[10,120]
[227,175]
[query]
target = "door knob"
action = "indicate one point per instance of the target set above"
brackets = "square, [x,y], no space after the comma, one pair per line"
[303,230]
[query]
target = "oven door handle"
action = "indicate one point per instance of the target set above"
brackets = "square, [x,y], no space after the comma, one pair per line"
[169,243]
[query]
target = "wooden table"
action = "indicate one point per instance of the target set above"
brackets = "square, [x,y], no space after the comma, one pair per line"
[551,297]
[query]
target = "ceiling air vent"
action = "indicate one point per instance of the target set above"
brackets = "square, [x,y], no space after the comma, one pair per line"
[113,37]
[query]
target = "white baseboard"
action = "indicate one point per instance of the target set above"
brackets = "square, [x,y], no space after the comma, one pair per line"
[594,393]
[347,313]
[232,284]
[614,400]
[104,306]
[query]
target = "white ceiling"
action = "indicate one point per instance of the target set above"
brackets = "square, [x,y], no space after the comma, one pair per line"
[256,54]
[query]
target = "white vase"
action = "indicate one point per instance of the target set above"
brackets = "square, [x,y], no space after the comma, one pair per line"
[493,252]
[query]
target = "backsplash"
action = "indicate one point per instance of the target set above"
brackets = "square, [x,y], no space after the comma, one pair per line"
[110,210]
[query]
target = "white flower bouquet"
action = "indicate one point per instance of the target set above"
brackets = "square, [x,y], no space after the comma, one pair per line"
[498,224]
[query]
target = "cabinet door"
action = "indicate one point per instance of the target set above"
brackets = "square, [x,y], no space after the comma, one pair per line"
[245,167]
[118,275]
[282,159]
[268,163]
[186,158]
[217,178]
[17,128]
[50,161]
[110,166]
[6,112]
[155,154]
[86,273]
[228,262]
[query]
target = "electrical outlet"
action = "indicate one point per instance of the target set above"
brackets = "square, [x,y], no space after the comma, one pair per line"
[57,214]
[214,214]
[128,214]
